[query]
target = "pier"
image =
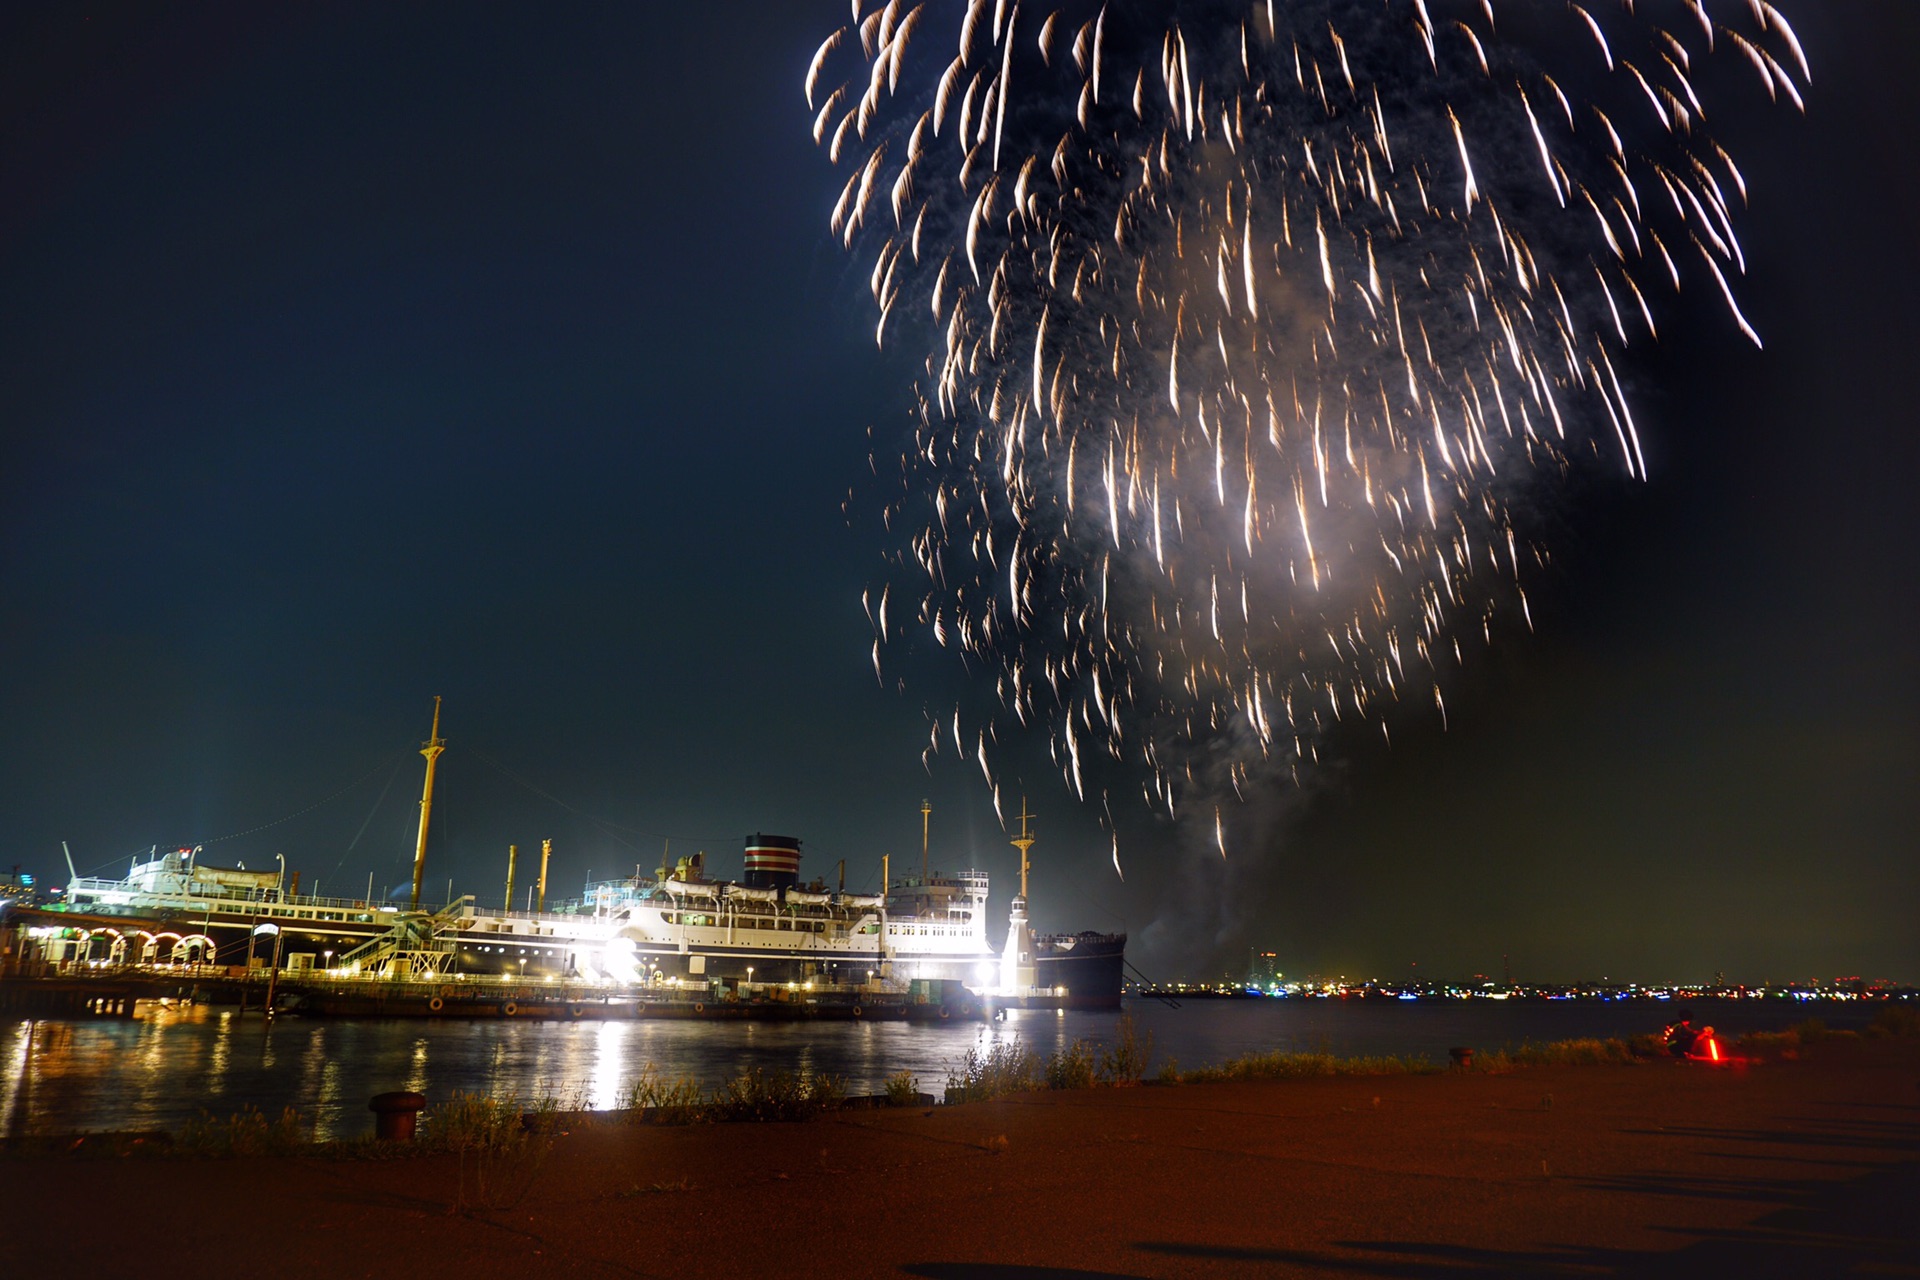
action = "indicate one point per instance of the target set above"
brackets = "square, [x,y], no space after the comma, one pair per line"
[85,990]
[75,997]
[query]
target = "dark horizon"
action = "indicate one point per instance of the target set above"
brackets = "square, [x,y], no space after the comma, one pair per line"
[364,355]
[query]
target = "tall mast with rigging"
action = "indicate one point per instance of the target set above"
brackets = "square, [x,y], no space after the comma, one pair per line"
[1017,970]
[1024,843]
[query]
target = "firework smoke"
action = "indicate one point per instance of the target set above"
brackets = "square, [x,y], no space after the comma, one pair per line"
[1250,328]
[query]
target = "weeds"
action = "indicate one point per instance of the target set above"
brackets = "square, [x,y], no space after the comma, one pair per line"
[1895,1020]
[649,1097]
[468,1122]
[1561,1053]
[244,1133]
[1280,1065]
[1125,1060]
[1005,1068]
[500,1150]
[903,1090]
[677,1186]
[1072,1067]
[775,1095]
[829,1092]
[1785,1044]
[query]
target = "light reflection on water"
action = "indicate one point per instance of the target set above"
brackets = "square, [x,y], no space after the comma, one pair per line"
[164,1067]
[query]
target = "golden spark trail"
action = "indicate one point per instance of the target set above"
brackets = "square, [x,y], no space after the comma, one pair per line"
[1321,297]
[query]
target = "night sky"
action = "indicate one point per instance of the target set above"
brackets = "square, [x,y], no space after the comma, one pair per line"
[355,354]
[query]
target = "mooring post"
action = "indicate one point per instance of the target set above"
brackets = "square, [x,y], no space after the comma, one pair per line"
[395,1115]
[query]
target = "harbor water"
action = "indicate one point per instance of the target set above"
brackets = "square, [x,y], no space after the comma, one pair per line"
[167,1065]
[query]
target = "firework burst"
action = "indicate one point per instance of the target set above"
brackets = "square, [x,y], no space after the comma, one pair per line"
[1250,327]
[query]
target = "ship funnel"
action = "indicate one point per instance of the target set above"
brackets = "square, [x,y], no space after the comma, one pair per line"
[773,862]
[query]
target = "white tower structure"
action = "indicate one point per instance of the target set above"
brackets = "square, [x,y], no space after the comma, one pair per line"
[1017,971]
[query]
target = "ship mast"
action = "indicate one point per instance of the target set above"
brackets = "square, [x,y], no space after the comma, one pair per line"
[1024,843]
[434,745]
[1017,971]
[926,810]
[546,851]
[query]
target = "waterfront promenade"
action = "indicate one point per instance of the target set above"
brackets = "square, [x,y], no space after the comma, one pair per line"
[1801,1167]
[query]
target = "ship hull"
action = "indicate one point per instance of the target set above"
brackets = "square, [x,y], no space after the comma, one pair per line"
[540,1007]
[1084,970]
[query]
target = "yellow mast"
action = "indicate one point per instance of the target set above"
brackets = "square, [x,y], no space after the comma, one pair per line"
[431,750]
[546,851]
[926,809]
[886,888]
[1024,843]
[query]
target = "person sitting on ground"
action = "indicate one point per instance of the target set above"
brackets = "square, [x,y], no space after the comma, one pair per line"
[1681,1034]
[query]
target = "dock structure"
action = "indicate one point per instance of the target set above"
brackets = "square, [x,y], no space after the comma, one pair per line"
[73,997]
[85,991]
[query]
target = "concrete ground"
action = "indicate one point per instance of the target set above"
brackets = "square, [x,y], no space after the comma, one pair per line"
[1805,1167]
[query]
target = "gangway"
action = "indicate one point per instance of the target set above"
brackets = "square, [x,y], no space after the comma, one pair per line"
[417,943]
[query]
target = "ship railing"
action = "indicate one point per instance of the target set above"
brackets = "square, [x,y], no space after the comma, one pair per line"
[94,884]
[544,916]
[189,902]
[263,901]
[107,969]
[567,989]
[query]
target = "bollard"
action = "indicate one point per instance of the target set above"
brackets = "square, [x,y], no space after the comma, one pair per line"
[395,1114]
[1462,1058]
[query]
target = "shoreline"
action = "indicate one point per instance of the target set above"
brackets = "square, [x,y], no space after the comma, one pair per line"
[1796,1166]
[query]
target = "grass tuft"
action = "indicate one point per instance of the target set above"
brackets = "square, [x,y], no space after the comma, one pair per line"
[650,1098]
[1005,1068]
[1125,1060]
[675,1187]
[775,1095]
[1781,1044]
[1072,1067]
[1895,1020]
[244,1133]
[1280,1065]
[1561,1053]
[500,1148]
[903,1090]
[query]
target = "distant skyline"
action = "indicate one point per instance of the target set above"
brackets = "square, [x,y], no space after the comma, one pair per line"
[365,354]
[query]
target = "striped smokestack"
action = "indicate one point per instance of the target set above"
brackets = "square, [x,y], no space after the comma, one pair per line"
[773,862]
